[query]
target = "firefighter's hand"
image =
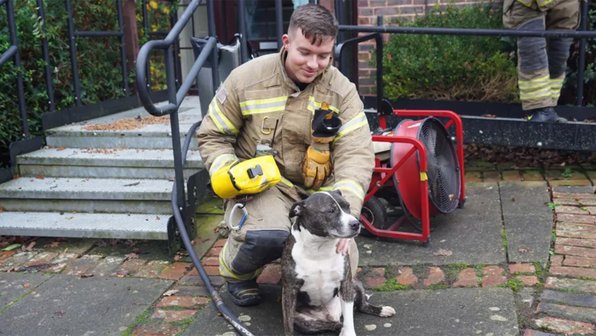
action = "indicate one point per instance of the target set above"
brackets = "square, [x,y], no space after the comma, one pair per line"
[316,167]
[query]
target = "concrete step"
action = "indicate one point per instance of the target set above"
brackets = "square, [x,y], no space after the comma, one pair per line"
[129,129]
[87,195]
[84,225]
[105,163]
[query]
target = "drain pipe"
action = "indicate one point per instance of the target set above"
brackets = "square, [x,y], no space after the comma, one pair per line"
[217,300]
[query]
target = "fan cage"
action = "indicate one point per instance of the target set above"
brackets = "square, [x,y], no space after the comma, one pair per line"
[442,165]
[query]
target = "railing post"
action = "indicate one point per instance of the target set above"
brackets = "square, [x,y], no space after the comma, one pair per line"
[379,55]
[17,63]
[581,61]
[46,58]
[279,22]
[243,34]
[122,40]
[72,43]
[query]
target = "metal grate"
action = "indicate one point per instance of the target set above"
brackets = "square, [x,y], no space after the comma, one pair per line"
[443,167]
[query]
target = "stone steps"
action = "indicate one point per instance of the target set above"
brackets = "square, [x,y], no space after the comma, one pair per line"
[109,177]
[105,163]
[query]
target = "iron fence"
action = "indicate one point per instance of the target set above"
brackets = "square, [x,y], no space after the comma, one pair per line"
[375,33]
[51,116]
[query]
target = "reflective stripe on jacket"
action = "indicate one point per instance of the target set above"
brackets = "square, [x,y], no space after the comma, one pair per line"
[541,4]
[258,100]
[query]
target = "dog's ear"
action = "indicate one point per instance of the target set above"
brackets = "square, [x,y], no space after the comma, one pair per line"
[296,209]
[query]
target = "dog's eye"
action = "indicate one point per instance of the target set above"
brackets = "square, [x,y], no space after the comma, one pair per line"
[332,210]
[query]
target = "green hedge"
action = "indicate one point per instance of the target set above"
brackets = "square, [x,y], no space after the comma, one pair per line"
[447,67]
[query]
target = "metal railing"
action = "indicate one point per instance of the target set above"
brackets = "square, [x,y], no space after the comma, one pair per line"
[175,98]
[73,34]
[51,117]
[582,34]
[12,53]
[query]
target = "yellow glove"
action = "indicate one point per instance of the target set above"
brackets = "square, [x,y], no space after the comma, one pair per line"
[316,167]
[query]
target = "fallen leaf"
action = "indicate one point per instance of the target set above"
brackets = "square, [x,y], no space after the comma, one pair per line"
[121,274]
[132,256]
[40,177]
[30,246]
[443,253]
[170,292]
[26,285]
[55,244]
[11,247]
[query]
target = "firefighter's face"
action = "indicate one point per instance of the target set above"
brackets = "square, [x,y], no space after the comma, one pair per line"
[305,61]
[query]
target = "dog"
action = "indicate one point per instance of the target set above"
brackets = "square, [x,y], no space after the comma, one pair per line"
[318,292]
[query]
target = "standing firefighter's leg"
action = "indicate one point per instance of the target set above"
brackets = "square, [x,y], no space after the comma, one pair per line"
[563,16]
[533,74]
[558,52]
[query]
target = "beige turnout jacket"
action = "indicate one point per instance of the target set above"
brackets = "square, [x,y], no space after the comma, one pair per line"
[258,103]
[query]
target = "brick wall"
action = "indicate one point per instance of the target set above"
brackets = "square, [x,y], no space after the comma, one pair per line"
[392,12]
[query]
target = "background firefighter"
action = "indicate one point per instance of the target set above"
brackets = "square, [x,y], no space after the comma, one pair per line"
[270,107]
[541,62]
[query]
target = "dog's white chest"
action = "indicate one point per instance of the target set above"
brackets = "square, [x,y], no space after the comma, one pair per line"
[322,272]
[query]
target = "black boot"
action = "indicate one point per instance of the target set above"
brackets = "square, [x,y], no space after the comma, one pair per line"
[545,114]
[244,293]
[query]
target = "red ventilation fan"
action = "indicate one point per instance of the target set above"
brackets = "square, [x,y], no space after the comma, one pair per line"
[422,170]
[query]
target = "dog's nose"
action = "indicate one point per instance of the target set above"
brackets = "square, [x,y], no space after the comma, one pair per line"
[354,225]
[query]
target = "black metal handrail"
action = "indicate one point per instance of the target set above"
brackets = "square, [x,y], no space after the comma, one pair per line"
[13,53]
[73,34]
[174,97]
[582,34]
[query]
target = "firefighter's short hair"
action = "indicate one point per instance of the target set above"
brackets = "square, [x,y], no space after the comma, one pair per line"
[315,21]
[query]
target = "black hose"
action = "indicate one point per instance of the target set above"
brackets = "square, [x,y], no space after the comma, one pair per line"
[219,304]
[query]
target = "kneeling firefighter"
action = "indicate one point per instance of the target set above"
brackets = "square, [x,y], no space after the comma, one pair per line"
[282,124]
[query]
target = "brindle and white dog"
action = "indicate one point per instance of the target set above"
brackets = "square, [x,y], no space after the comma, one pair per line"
[318,292]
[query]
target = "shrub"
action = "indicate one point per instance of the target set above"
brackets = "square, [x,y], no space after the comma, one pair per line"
[448,67]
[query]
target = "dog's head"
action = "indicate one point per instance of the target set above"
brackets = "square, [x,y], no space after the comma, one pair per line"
[325,214]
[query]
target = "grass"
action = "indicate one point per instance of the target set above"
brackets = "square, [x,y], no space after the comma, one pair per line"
[138,320]
[391,285]
[479,269]
[453,270]
[504,237]
[514,283]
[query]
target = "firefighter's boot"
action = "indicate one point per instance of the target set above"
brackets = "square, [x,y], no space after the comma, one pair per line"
[546,114]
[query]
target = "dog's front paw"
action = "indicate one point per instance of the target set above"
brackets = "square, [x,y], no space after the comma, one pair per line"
[387,311]
[347,332]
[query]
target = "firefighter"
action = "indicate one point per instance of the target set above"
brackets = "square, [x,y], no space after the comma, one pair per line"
[541,62]
[280,125]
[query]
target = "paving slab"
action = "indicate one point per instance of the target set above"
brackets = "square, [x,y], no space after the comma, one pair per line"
[462,312]
[469,235]
[69,305]
[13,286]
[528,220]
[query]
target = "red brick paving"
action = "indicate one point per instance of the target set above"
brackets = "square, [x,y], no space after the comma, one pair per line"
[406,277]
[572,267]
[466,278]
